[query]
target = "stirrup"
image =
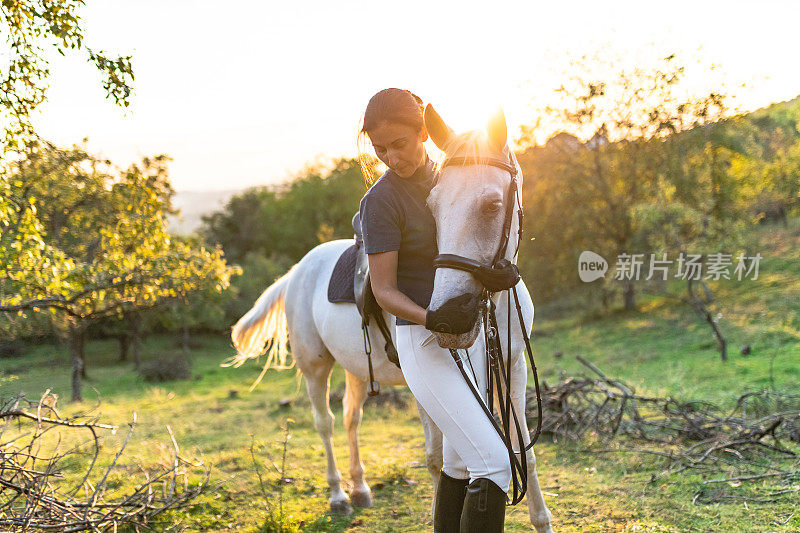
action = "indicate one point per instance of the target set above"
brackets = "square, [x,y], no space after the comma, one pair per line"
[374,386]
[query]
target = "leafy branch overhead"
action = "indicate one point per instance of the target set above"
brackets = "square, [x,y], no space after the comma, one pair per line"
[31,28]
[36,270]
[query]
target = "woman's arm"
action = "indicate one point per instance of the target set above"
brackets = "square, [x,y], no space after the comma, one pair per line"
[383,278]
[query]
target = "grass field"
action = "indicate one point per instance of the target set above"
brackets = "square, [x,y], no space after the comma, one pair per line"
[661,349]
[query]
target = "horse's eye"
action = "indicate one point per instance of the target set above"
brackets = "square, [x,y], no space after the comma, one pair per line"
[492,207]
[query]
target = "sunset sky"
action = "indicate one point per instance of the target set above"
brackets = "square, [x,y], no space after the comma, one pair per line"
[245,93]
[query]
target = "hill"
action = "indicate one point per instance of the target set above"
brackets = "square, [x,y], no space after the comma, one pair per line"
[195,204]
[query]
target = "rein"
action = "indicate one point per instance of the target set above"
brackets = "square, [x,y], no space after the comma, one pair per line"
[500,275]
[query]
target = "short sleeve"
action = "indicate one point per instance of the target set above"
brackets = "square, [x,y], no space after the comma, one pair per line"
[380,222]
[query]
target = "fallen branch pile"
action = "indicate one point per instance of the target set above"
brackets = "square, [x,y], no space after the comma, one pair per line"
[38,493]
[756,440]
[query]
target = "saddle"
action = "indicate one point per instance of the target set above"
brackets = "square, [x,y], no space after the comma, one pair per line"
[368,306]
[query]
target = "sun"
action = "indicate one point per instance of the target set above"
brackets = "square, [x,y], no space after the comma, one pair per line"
[468,104]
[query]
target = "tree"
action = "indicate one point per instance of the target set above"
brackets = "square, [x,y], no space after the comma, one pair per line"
[109,232]
[673,229]
[771,187]
[613,155]
[29,27]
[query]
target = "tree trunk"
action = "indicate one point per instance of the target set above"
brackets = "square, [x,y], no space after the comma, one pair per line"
[629,295]
[136,337]
[723,345]
[604,299]
[83,359]
[124,344]
[702,309]
[76,349]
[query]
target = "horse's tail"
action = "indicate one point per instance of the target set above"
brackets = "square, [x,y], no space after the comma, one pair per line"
[263,330]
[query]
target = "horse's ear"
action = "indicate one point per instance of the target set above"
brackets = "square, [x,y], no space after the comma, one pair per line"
[498,131]
[439,131]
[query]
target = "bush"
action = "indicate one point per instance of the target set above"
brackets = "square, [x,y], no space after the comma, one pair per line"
[11,349]
[168,367]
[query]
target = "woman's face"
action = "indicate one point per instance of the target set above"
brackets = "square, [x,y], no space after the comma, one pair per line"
[399,146]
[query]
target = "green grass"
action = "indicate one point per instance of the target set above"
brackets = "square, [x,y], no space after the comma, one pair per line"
[662,349]
[665,348]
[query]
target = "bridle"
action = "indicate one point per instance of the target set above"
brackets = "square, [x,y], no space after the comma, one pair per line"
[501,274]
[464,263]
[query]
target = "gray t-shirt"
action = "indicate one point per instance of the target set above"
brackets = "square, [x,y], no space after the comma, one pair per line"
[394,216]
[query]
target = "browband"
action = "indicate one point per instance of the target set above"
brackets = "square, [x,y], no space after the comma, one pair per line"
[490,161]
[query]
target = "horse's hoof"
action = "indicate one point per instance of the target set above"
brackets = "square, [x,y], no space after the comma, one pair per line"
[361,499]
[342,507]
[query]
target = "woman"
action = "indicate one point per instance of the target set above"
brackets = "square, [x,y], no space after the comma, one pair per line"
[400,237]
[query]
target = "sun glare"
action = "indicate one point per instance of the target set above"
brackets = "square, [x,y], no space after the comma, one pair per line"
[464,114]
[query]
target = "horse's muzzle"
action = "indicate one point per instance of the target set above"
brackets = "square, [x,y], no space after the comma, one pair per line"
[458,342]
[447,339]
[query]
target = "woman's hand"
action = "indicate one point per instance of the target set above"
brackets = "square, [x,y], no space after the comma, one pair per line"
[455,316]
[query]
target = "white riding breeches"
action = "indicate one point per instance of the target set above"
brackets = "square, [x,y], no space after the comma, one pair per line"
[471,446]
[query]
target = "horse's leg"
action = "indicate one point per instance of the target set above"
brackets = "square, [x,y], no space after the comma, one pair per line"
[433,450]
[353,403]
[317,382]
[539,513]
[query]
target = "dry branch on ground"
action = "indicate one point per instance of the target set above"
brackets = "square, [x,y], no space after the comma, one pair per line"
[37,491]
[755,440]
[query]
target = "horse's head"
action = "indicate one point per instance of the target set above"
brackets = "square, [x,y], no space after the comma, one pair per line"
[469,204]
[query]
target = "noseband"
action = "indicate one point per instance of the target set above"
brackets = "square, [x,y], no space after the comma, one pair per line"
[500,274]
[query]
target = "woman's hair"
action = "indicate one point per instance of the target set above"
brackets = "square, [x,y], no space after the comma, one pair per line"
[395,106]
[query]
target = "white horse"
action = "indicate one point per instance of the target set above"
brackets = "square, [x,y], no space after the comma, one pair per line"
[295,309]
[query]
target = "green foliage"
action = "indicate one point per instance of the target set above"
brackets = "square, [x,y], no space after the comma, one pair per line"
[109,234]
[771,186]
[316,207]
[675,227]
[29,264]
[259,271]
[266,231]
[590,188]
[28,27]
[641,167]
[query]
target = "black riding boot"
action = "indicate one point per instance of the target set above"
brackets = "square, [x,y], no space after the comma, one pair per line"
[449,503]
[484,508]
